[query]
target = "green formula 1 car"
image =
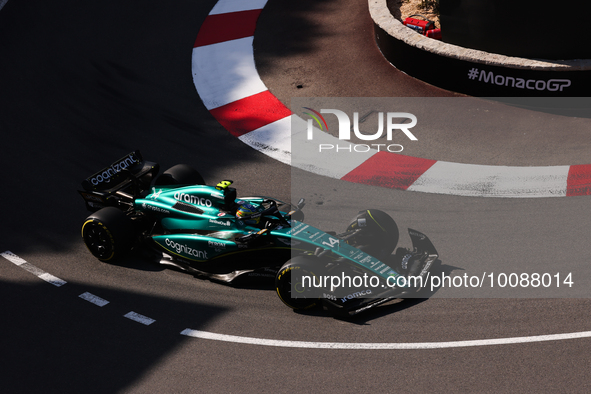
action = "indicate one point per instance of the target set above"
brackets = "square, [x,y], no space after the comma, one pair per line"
[210,232]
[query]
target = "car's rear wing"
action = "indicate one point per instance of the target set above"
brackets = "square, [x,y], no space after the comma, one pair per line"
[124,179]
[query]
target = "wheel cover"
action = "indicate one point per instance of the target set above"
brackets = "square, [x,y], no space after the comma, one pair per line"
[284,290]
[98,240]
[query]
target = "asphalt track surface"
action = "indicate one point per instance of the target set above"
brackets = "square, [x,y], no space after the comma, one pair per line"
[83,84]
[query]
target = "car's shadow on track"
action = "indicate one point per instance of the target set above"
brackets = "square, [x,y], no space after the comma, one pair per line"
[137,260]
[391,307]
[364,318]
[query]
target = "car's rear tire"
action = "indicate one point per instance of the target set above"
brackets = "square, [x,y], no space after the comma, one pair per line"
[180,175]
[378,233]
[299,266]
[108,234]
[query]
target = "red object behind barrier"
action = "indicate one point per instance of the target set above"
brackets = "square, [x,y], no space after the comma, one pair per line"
[423,26]
[434,33]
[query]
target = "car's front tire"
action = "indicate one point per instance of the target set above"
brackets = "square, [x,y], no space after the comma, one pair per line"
[289,279]
[108,234]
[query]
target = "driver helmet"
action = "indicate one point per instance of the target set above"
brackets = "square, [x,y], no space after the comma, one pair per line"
[246,210]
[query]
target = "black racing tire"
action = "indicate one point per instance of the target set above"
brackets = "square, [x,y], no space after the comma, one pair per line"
[298,215]
[180,175]
[108,234]
[283,283]
[378,235]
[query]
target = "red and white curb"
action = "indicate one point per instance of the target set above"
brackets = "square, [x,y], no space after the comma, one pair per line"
[229,85]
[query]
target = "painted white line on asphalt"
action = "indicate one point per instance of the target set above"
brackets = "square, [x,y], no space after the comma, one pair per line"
[93,299]
[8,255]
[139,318]
[52,279]
[381,346]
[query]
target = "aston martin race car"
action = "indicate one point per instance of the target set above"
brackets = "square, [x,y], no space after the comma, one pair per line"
[177,219]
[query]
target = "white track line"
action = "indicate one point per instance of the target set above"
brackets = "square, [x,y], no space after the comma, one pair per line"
[32,269]
[300,344]
[381,346]
[13,258]
[139,318]
[93,299]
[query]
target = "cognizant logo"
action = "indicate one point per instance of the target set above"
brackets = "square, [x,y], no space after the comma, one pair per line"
[185,249]
[115,168]
[392,123]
